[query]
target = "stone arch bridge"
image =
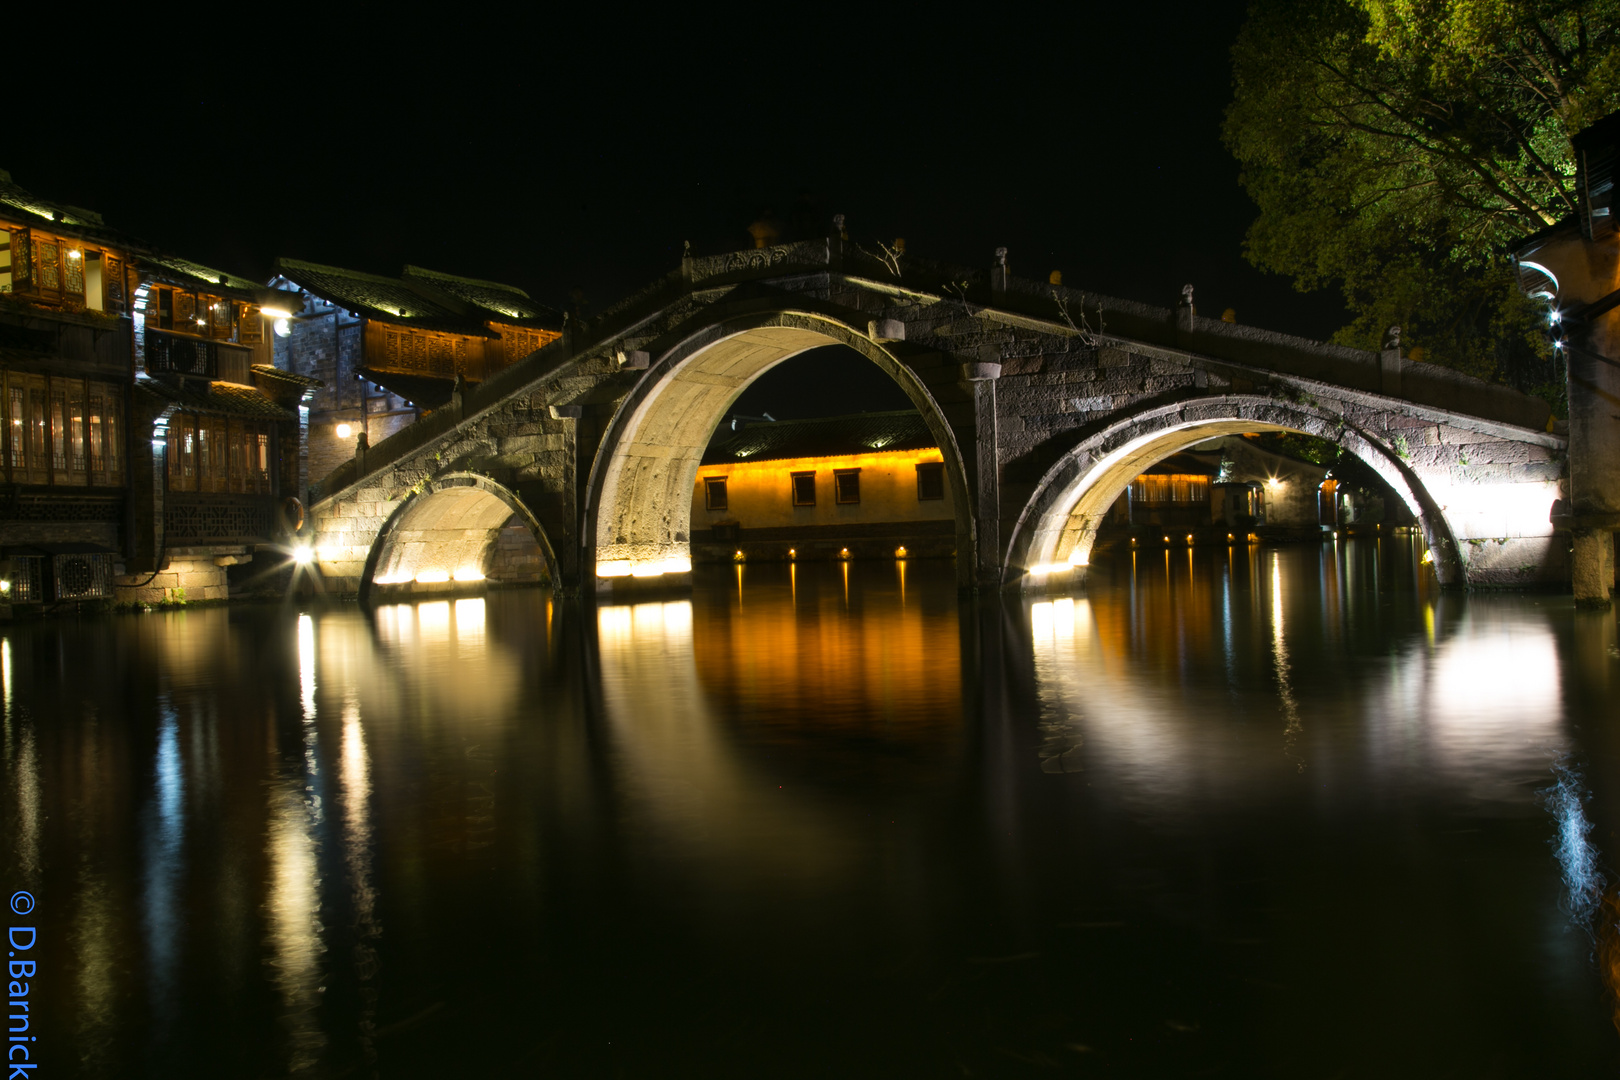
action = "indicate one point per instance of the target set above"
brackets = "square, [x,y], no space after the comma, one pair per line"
[1045,401]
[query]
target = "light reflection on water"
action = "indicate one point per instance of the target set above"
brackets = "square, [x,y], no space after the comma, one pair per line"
[1227,808]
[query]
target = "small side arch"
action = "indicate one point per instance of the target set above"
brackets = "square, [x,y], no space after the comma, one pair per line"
[458,502]
[1058,525]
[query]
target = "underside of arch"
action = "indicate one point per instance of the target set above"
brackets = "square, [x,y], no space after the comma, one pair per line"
[641,485]
[1058,527]
[450,535]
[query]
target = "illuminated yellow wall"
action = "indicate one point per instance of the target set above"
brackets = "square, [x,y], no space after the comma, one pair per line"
[760,494]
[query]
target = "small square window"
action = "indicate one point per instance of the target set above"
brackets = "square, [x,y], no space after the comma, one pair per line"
[804,489]
[847,485]
[930,480]
[714,492]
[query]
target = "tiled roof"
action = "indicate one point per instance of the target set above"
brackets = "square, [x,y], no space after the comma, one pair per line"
[87,224]
[270,371]
[501,303]
[423,390]
[72,220]
[832,436]
[422,298]
[377,297]
[219,398]
[185,272]
[1181,465]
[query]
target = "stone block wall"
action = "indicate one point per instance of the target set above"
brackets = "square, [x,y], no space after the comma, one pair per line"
[516,558]
[194,572]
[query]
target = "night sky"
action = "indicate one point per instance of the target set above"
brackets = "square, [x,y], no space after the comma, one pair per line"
[580,147]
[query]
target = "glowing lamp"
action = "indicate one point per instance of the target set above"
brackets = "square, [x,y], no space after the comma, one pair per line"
[344,431]
[75,254]
[433,577]
[303,555]
[282,328]
[5,586]
[900,552]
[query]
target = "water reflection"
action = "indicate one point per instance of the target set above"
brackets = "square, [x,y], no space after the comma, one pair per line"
[295,816]
[1279,653]
[357,842]
[508,835]
[164,866]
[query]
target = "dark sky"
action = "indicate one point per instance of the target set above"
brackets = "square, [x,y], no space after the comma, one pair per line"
[582,146]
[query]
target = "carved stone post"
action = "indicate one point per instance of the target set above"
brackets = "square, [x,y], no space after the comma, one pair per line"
[999,273]
[982,376]
[1389,363]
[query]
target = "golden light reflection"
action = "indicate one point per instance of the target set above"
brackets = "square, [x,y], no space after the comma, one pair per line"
[1492,694]
[356,788]
[306,664]
[1279,651]
[25,781]
[96,921]
[163,856]
[433,622]
[809,660]
[716,784]
[293,907]
[440,655]
[469,614]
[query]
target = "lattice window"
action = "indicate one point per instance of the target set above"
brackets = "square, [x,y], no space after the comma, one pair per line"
[98,434]
[25,580]
[261,467]
[58,431]
[22,260]
[182,454]
[36,430]
[112,284]
[73,272]
[48,264]
[252,327]
[114,443]
[16,429]
[82,577]
[216,520]
[76,429]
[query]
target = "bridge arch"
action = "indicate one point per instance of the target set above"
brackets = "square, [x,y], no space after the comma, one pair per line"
[639,494]
[451,523]
[1058,525]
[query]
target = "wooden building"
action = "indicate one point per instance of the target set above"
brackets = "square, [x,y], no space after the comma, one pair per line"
[106,345]
[388,349]
[863,485]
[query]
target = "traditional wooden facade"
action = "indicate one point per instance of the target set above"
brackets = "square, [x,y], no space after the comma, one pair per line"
[866,485]
[105,342]
[390,349]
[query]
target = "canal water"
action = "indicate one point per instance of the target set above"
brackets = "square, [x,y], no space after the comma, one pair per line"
[1258,812]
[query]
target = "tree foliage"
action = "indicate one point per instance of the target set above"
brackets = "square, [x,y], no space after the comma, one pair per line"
[1397,148]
